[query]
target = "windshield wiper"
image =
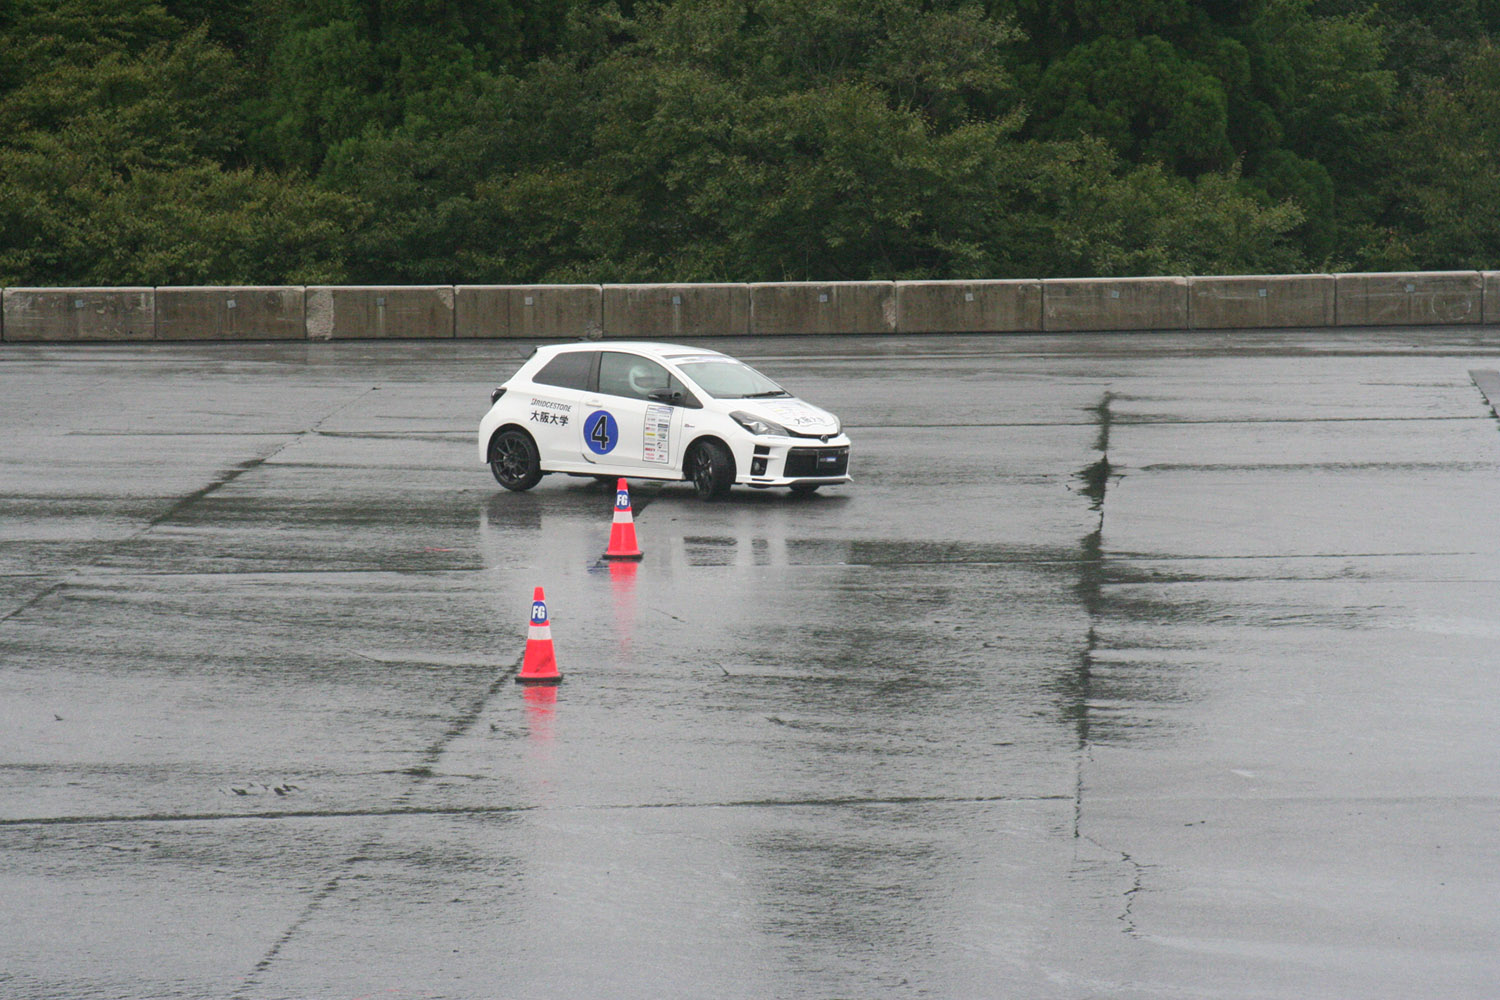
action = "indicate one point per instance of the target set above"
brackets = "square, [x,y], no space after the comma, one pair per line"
[763,395]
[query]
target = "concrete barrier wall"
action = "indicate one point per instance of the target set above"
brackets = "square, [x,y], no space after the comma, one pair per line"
[70,314]
[1077,304]
[380,312]
[968,306]
[230,313]
[1252,302]
[1428,298]
[531,312]
[667,311]
[661,312]
[823,307]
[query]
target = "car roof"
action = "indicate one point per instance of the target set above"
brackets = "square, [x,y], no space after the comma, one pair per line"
[650,349]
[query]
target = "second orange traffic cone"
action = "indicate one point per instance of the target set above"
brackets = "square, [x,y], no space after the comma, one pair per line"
[622,532]
[539,666]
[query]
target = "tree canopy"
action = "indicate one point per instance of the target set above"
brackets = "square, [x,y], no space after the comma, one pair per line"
[512,141]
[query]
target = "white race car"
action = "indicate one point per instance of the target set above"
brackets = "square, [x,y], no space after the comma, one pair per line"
[657,411]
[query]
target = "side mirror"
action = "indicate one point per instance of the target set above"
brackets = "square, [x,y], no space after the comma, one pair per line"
[665,396]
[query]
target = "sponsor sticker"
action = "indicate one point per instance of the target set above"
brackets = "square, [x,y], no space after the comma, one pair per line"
[796,414]
[657,446]
[549,411]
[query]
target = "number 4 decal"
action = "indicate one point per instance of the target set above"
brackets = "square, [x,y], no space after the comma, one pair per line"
[600,432]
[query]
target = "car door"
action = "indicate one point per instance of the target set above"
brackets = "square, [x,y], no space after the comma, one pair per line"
[555,407]
[624,429]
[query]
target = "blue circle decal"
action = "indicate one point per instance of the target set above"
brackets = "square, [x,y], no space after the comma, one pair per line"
[601,432]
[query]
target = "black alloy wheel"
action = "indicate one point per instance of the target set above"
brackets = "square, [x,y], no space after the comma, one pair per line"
[711,469]
[514,460]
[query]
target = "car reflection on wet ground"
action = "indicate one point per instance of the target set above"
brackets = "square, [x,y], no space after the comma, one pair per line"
[1137,666]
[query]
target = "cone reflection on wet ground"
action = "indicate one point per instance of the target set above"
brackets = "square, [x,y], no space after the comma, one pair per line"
[622,575]
[541,706]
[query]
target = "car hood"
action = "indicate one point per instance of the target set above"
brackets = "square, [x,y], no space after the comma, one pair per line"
[793,414]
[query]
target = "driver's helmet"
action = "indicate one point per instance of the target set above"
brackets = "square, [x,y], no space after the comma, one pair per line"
[643,379]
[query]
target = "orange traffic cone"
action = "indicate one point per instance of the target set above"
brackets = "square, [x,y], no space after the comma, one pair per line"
[539,665]
[622,531]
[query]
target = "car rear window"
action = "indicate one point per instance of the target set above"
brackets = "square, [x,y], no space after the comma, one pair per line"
[570,370]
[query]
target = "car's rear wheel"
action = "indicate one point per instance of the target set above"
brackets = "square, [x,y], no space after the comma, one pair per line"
[710,467]
[514,460]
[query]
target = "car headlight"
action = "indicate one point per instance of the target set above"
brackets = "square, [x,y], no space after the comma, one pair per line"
[758,425]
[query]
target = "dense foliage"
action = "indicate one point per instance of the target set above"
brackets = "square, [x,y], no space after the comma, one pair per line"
[509,141]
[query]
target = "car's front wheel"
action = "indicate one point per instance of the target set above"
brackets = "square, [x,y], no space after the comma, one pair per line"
[514,460]
[710,467]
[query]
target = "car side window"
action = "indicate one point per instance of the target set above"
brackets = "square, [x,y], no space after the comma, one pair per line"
[631,376]
[569,370]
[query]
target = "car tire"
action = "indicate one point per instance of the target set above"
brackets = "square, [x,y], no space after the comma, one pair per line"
[514,460]
[710,468]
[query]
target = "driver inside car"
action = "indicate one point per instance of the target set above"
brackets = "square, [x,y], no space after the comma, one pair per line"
[644,381]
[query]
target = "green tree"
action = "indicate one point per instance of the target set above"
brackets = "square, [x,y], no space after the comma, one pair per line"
[1296,96]
[1426,41]
[520,140]
[338,68]
[114,124]
[1143,96]
[706,149]
[1444,185]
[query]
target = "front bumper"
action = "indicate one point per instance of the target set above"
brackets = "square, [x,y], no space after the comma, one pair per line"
[785,462]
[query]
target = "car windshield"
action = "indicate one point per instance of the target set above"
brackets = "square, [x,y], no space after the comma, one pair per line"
[727,379]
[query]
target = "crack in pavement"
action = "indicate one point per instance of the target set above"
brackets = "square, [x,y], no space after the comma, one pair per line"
[826,802]
[221,480]
[1090,589]
[420,772]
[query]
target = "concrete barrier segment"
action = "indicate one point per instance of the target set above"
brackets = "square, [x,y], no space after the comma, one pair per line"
[1007,306]
[1429,298]
[562,312]
[1077,304]
[1261,301]
[379,312]
[230,312]
[810,307]
[530,312]
[79,314]
[662,312]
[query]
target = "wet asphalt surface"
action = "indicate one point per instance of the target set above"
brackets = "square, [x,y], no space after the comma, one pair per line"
[1132,666]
